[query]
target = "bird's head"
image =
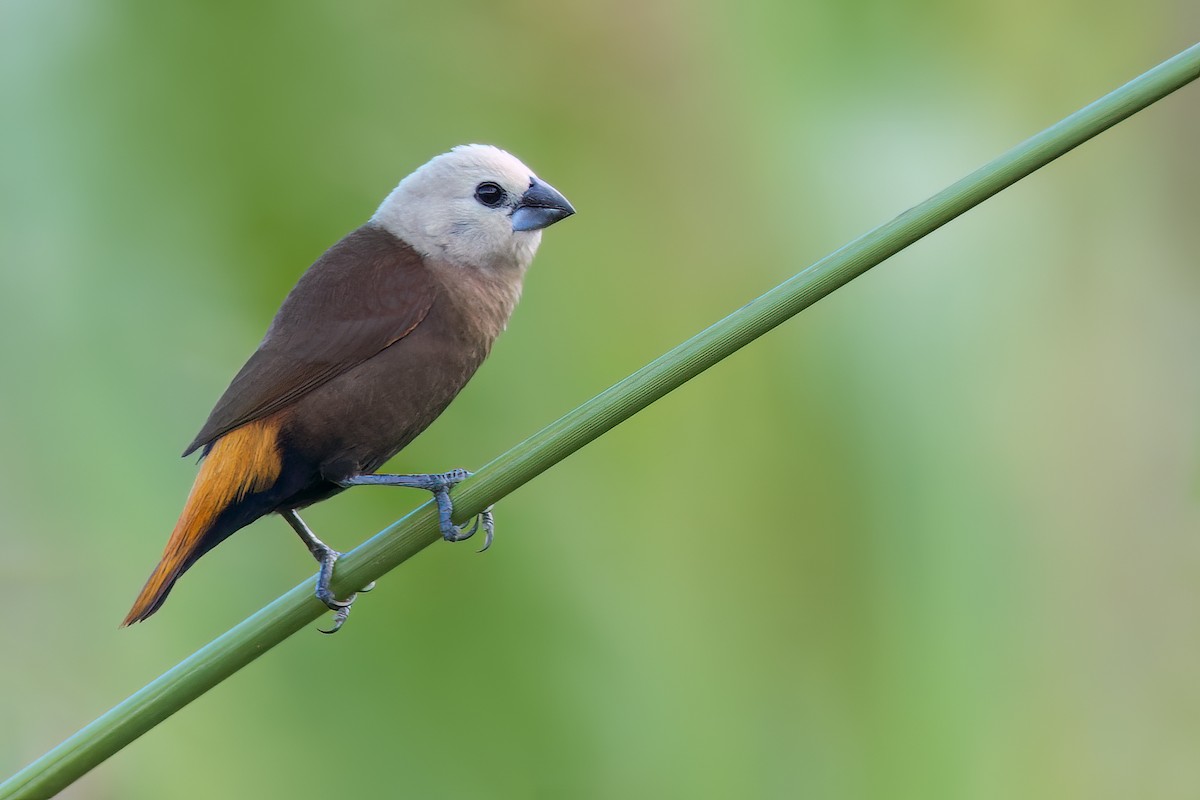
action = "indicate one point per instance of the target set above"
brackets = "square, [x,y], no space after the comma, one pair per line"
[475,206]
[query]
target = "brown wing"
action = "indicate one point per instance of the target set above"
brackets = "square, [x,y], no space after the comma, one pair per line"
[367,292]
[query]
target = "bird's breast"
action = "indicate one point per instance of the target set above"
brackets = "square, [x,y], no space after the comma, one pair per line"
[361,418]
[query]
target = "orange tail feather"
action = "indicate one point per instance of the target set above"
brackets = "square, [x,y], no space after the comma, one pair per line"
[244,460]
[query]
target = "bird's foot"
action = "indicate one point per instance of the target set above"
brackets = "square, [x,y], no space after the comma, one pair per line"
[440,484]
[441,487]
[485,520]
[326,556]
[340,608]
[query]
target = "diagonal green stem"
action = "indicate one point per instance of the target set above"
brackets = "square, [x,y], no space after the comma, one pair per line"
[298,608]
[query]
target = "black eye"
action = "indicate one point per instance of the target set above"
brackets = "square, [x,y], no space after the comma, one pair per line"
[490,194]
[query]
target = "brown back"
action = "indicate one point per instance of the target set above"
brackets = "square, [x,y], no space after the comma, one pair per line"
[367,292]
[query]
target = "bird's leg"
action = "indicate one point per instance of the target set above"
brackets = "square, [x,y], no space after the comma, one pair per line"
[326,556]
[440,484]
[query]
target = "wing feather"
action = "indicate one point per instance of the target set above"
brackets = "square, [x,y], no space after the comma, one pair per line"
[366,293]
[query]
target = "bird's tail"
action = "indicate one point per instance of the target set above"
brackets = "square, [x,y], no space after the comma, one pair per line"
[241,462]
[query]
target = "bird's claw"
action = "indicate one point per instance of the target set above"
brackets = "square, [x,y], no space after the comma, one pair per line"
[450,531]
[341,608]
[460,534]
[440,484]
[326,556]
[489,528]
[341,612]
[454,533]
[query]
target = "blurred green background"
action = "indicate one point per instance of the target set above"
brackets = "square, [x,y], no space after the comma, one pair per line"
[937,537]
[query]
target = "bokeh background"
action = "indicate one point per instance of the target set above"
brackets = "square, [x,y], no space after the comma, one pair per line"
[935,538]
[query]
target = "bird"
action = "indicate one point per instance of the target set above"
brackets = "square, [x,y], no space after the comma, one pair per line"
[370,346]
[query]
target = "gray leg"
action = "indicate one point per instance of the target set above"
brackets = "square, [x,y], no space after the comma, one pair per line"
[326,556]
[440,484]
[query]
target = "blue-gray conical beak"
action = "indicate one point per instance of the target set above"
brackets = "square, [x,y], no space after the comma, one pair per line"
[541,206]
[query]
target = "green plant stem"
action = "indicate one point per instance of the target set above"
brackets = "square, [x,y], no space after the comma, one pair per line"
[298,608]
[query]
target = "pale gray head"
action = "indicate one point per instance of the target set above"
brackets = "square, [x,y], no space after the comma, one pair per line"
[475,206]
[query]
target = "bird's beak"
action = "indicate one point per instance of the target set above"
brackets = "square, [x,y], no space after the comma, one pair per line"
[540,207]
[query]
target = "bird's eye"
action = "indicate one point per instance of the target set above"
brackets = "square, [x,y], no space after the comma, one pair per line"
[490,194]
